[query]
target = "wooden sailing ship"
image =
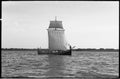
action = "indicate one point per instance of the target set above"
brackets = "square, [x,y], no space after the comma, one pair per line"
[56,39]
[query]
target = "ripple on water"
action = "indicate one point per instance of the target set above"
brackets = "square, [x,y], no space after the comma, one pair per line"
[81,64]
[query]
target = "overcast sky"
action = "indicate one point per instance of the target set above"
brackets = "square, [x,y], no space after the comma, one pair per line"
[87,24]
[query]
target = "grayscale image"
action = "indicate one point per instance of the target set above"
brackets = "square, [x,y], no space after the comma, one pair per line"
[60,40]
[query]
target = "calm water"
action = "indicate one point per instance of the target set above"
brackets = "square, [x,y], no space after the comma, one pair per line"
[85,65]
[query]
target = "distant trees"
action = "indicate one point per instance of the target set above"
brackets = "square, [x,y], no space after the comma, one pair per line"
[79,49]
[18,49]
[94,49]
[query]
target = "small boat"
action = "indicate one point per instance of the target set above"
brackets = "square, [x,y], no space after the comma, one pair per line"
[56,38]
[54,52]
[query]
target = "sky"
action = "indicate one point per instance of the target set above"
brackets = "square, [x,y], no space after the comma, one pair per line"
[87,24]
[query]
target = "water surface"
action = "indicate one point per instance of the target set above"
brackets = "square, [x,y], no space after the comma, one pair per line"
[82,64]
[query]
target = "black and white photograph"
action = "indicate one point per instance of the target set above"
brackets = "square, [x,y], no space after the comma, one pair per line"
[60,40]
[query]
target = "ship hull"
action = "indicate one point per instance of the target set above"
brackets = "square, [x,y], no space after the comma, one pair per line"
[48,52]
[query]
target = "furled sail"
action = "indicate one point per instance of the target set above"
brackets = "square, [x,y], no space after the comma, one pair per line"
[56,36]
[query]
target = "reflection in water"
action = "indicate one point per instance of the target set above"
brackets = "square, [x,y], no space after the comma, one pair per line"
[56,65]
[61,66]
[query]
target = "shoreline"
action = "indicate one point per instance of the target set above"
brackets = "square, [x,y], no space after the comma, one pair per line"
[91,50]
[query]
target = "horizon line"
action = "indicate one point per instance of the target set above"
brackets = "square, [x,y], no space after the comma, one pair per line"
[48,48]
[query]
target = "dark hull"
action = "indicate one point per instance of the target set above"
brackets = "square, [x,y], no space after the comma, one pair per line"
[47,52]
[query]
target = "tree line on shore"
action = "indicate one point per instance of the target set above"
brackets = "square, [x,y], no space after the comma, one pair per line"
[94,49]
[79,49]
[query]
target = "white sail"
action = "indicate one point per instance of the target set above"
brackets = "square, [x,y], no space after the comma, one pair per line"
[56,39]
[56,36]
